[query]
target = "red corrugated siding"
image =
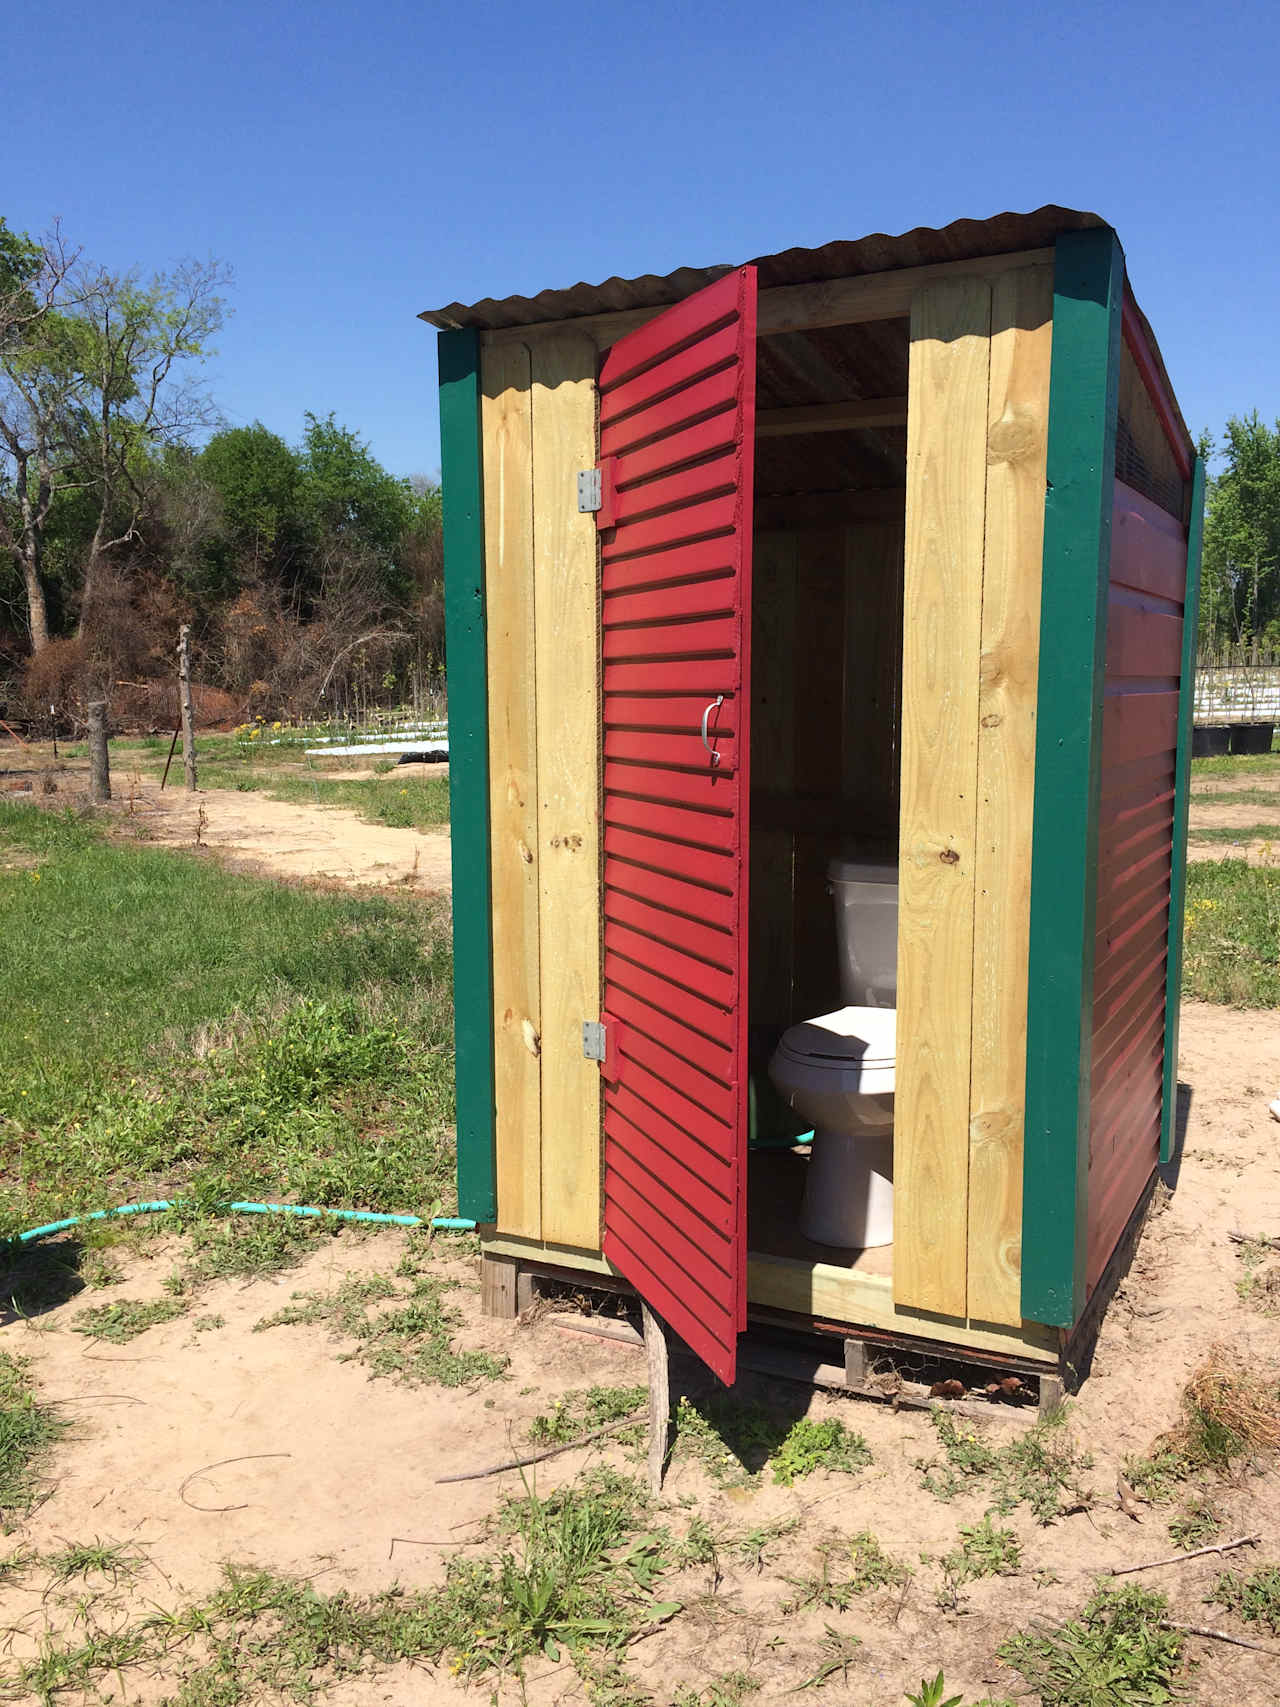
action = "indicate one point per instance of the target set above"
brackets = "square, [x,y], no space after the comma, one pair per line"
[677,427]
[1135,840]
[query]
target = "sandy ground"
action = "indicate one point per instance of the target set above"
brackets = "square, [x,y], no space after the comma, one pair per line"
[1236,815]
[357,1460]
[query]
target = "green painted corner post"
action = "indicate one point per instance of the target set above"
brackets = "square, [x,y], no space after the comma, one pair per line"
[1088,293]
[464,619]
[1181,805]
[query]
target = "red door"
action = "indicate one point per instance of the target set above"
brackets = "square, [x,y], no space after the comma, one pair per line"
[677,432]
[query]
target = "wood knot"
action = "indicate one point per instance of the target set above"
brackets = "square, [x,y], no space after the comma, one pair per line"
[949,856]
[1014,437]
[526,852]
[532,1042]
[992,720]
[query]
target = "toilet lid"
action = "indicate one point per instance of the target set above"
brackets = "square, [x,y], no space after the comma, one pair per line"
[865,1035]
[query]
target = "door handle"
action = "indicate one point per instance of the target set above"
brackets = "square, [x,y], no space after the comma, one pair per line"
[715,705]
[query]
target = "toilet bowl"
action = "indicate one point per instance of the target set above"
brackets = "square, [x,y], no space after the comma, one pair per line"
[836,1071]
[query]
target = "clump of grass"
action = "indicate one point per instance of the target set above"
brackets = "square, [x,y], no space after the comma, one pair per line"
[732,1441]
[1156,1476]
[583,1409]
[92,1558]
[729,1689]
[1118,1652]
[1040,1469]
[28,1432]
[1196,1525]
[985,1550]
[235,1248]
[411,1342]
[1254,1598]
[808,1446]
[847,1568]
[1232,951]
[123,1321]
[1228,1413]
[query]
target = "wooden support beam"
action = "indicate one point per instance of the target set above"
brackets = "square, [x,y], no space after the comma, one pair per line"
[831,417]
[804,307]
[655,1345]
[498,1277]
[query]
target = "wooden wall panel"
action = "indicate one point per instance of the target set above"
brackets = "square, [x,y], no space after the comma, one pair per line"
[1021,338]
[567,615]
[946,485]
[507,421]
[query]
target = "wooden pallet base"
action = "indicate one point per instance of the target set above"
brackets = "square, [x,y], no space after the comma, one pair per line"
[865,1356]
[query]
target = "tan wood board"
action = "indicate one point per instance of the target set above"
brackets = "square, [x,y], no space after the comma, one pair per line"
[873,663]
[507,428]
[1021,336]
[946,485]
[567,601]
[803,307]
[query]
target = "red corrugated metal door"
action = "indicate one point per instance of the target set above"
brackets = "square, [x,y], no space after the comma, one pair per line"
[677,431]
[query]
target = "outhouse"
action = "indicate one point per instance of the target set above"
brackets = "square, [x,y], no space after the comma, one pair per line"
[879,555]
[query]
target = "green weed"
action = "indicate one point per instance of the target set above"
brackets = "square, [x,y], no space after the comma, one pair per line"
[808,1446]
[92,1558]
[730,1689]
[578,1412]
[1116,1653]
[1040,1469]
[28,1431]
[932,1692]
[124,1321]
[837,1652]
[984,1551]
[847,1568]
[1157,1476]
[1196,1525]
[1254,1598]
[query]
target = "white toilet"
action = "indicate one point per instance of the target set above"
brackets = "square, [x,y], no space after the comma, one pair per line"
[837,1070]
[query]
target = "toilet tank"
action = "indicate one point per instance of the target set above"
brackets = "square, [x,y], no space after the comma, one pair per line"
[866,901]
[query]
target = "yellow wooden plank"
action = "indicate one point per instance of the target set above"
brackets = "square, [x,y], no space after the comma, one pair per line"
[832,1293]
[1021,334]
[946,485]
[566,597]
[506,422]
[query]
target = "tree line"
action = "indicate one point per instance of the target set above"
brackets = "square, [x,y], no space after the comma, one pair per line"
[1240,574]
[310,575]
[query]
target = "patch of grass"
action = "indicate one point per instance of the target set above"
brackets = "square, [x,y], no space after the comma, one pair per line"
[836,1653]
[808,1446]
[985,1550]
[1237,797]
[1238,764]
[730,1689]
[1232,952]
[1196,1525]
[245,1247]
[410,1342]
[732,1441]
[1116,1653]
[123,1321]
[1228,1413]
[583,1409]
[847,1568]
[28,1431]
[92,1558]
[184,1030]
[1040,1469]
[1236,834]
[1157,1476]
[1254,1598]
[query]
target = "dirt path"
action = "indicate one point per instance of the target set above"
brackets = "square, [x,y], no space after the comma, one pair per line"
[355,1460]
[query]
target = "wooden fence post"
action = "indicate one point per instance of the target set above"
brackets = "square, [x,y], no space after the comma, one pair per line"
[99,765]
[184,697]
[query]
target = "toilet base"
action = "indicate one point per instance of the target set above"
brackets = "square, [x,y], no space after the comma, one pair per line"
[848,1196]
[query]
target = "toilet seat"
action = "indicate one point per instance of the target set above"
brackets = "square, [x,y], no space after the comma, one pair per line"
[855,1046]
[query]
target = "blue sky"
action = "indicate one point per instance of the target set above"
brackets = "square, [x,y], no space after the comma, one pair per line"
[355,164]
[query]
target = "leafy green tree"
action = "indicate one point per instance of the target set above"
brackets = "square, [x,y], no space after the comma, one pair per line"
[351,498]
[1240,596]
[258,480]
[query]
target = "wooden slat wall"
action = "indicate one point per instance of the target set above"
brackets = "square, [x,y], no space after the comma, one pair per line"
[946,482]
[567,626]
[1017,437]
[507,424]
[1135,837]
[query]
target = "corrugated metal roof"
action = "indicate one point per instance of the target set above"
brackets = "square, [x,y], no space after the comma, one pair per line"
[960,241]
[963,240]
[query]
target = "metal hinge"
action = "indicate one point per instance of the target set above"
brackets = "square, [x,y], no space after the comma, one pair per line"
[590,491]
[593,1042]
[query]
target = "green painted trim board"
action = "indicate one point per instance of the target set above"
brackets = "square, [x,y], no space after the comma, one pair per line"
[1088,294]
[464,619]
[1181,811]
